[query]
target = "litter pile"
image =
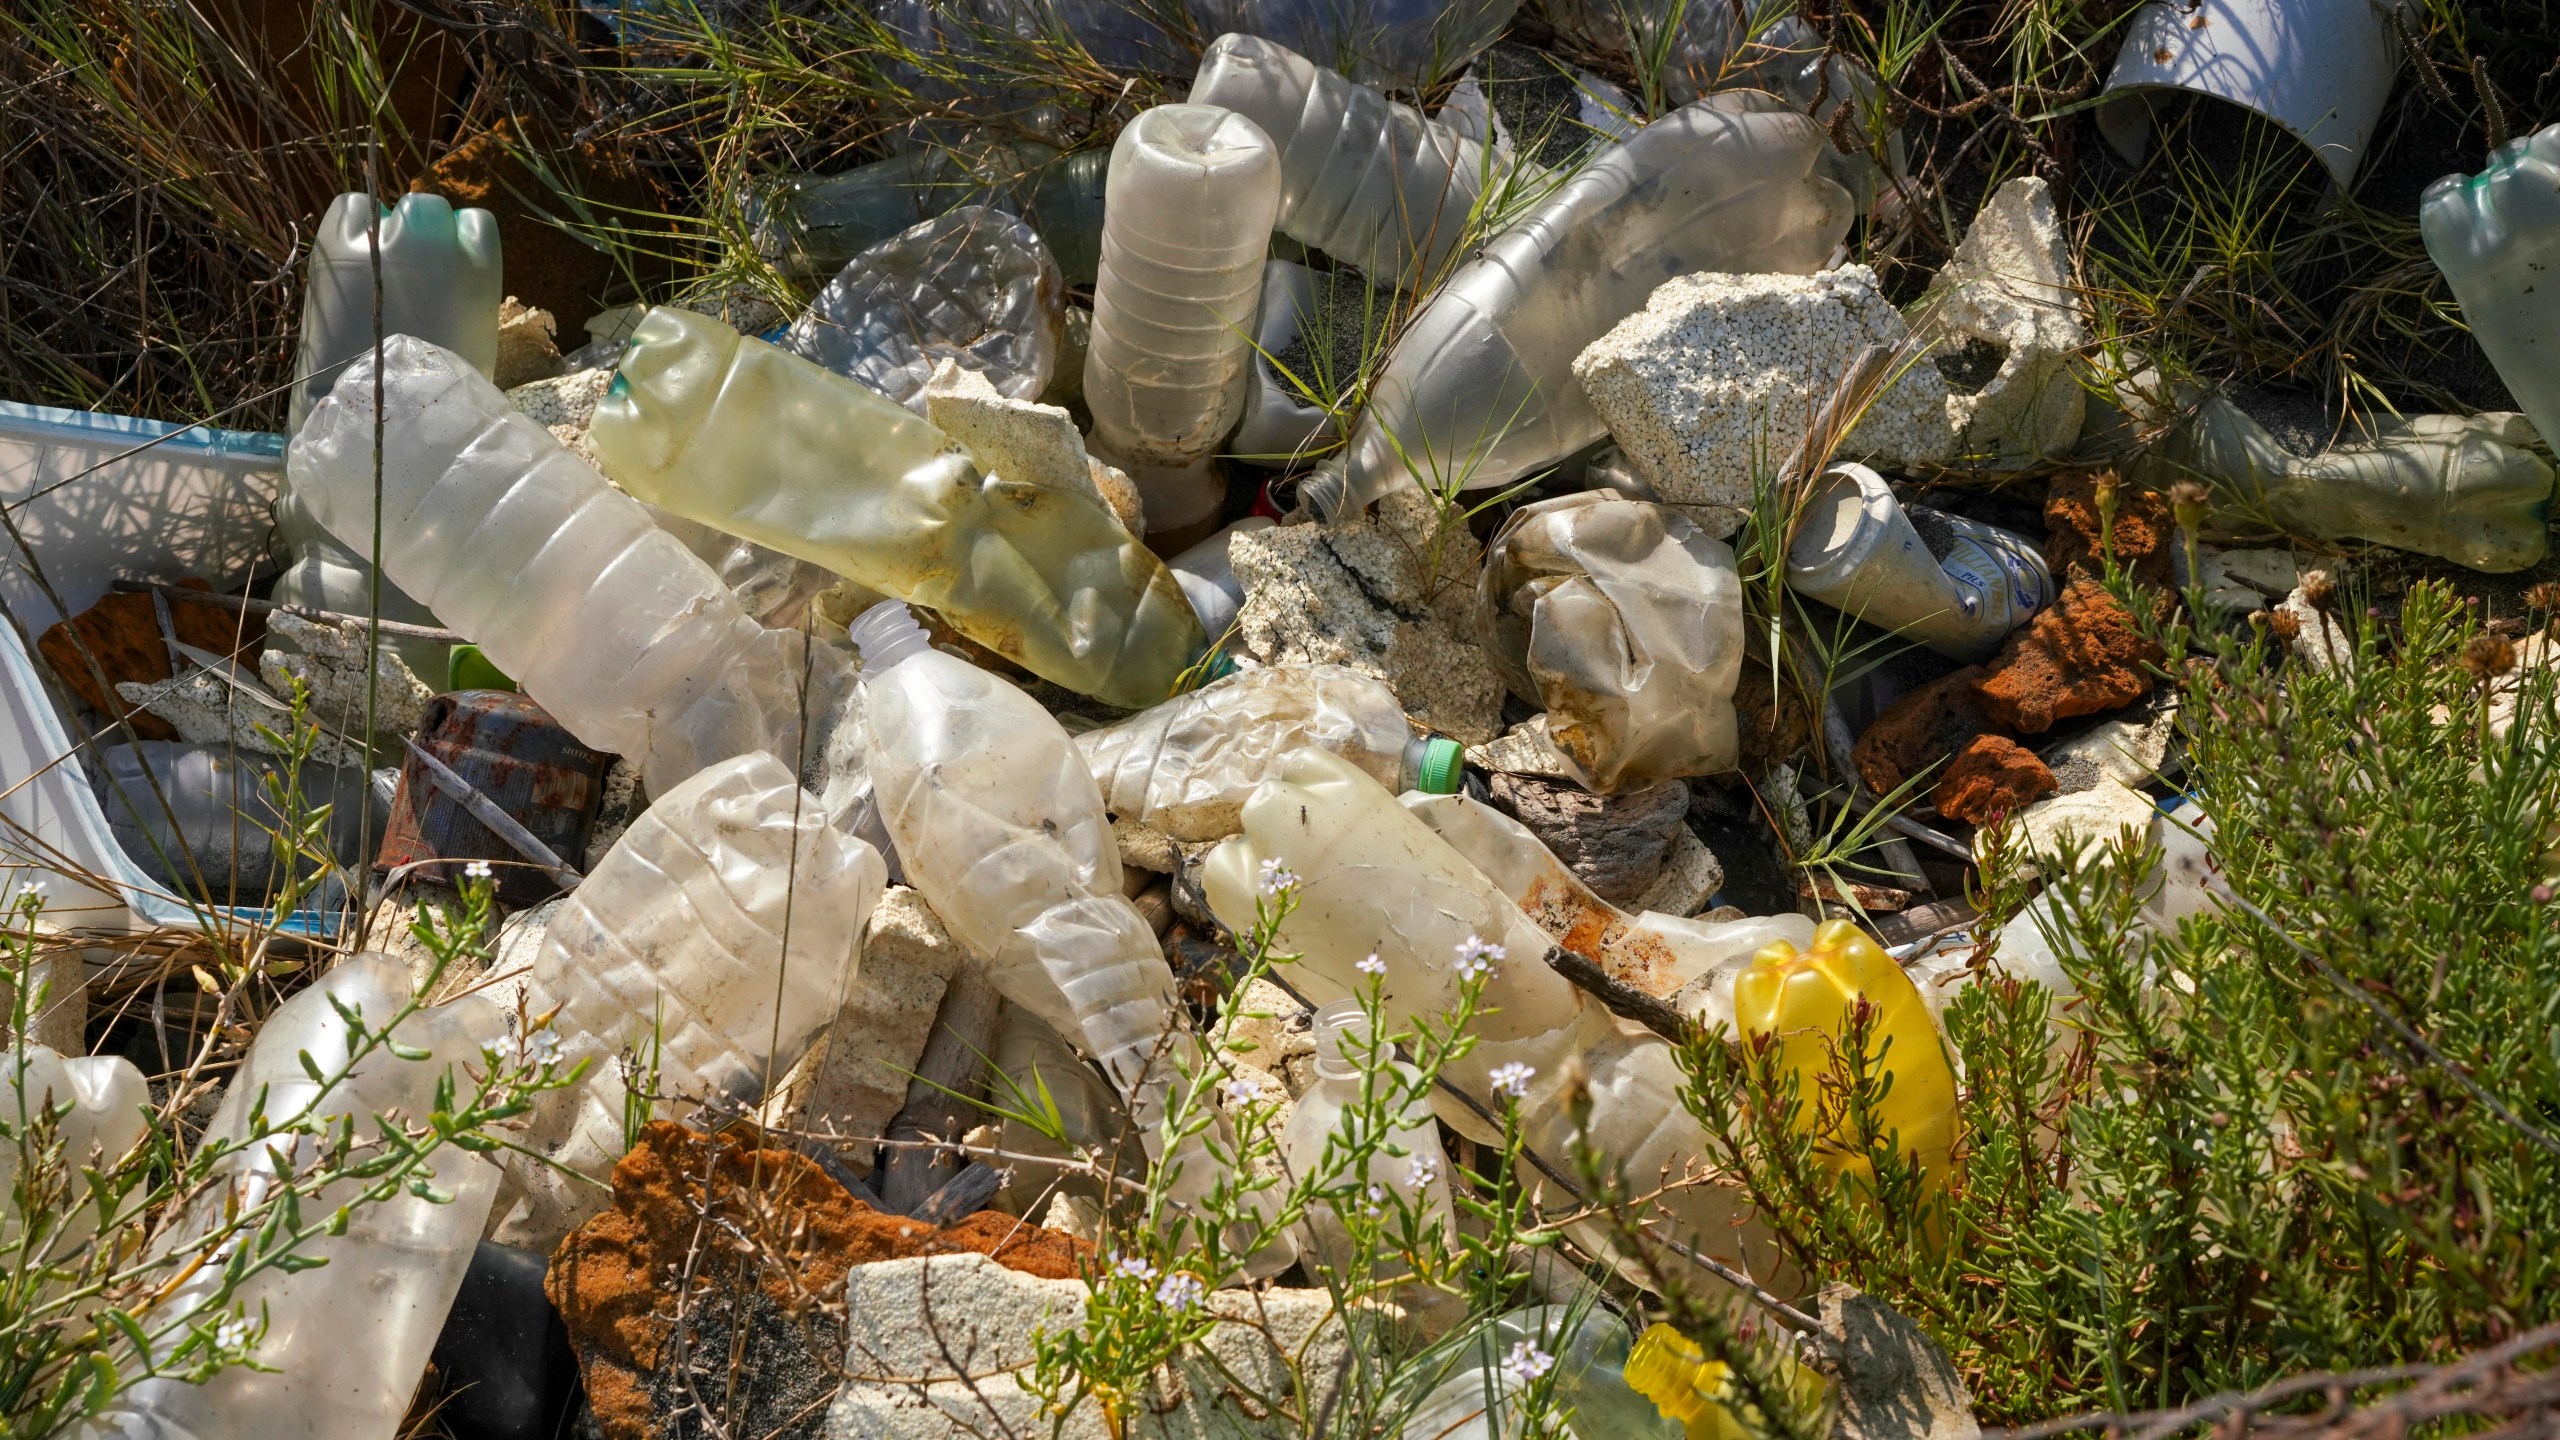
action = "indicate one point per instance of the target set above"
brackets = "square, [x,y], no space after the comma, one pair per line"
[924,779]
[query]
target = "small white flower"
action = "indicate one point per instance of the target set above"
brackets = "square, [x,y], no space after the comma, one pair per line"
[1181,1291]
[1511,1080]
[1134,1267]
[1476,956]
[1241,1091]
[1277,877]
[1372,965]
[1421,1171]
[1374,1204]
[32,890]
[1526,1363]
[233,1334]
[540,1048]
[477,870]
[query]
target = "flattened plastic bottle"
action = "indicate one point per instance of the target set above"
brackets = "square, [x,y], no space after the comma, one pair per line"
[1186,766]
[1373,879]
[1960,589]
[1331,1117]
[974,286]
[676,945]
[1479,391]
[346,1343]
[606,620]
[1366,180]
[746,438]
[811,226]
[1624,620]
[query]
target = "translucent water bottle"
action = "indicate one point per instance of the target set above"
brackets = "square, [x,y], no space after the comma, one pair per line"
[974,286]
[1403,44]
[1193,192]
[738,435]
[810,226]
[1959,588]
[1375,880]
[215,835]
[1479,391]
[674,949]
[110,1107]
[1364,179]
[1186,766]
[605,619]
[1332,1121]
[2495,235]
[346,1343]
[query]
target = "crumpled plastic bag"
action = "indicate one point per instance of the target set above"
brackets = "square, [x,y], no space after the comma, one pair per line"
[1624,620]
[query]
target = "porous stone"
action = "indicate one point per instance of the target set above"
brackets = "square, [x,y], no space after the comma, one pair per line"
[1720,376]
[2079,657]
[940,1346]
[528,345]
[206,710]
[1355,594]
[565,405]
[2093,817]
[1992,775]
[1143,849]
[2319,638]
[330,659]
[1275,1034]
[2251,575]
[1921,729]
[1525,749]
[856,1079]
[2128,752]
[1690,877]
[2007,289]
[2074,530]
[1616,844]
[1025,440]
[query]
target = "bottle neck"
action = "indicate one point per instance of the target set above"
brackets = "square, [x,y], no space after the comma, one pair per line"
[886,635]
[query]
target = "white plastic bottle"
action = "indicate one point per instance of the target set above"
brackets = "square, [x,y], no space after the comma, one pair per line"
[1207,574]
[974,286]
[1479,391]
[565,583]
[674,948]
[1959,591]
[1406,1163]
[110,1109]
[347,1342]
[2494,235]
[216,834]
[1364,179]
[1186,766]
[1186,223]
[1373,879]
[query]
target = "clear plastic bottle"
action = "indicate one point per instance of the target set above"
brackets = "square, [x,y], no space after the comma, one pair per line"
[216,835]
[1186,766]
[1959,589]
[1590,1348]
[1479,391]
[673,948]
[1033,1062]
[811,226]
[1373,879]
[974,286]
[1364,179]
[109,1104]
[739,435]
[606,620]
[1400,44]
[1624,620]
[1331,1115]
[346,1343]
[1207,576]
[1193,192]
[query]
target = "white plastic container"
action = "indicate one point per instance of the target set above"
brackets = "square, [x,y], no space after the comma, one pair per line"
[1193,191]
[346,1343]
[1328,1116]
[607,621]
[1366,180]
[2320,68]
[1857,551]
[1279,422]
[677,941]
[1187,766]
[108,1099]
[193,504]
[2495,236]
[1479,391]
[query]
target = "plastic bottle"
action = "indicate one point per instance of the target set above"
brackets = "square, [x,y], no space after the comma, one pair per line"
[1186,766]
[1479,391]
[1590,1348]
[216,835]
[1624,620]
[1370,182]
[606,620]
[1373,879]
[346,1343]
[1207,575]
[1193,192]
[110,1104]
[1397,44]
[974,286]
[673,949]
[2495,236]
[1672,1374]
[811,226]
[1034,1062]
[1959,588]
[1280,422]
[739,435]
[1332,1115]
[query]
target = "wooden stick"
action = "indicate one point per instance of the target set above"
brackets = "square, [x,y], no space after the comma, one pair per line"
[428,633]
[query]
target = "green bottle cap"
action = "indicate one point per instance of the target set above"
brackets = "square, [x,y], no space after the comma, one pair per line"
[465,668]
[1443,763]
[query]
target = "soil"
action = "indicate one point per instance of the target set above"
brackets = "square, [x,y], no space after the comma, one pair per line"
[546,267]
[1921,729]
[2081,656]
[1991,776]
[123,632]
[1538,103]
[1346,314]
[767,1241]
[2144,532]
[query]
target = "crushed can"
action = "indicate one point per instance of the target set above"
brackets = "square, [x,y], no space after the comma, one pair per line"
[493,777]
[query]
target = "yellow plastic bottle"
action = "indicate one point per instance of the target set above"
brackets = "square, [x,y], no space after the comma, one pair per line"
[1669,1369]
[1802,1001]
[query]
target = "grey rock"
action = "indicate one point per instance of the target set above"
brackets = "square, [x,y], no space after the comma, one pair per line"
[1617,843]
[1894,1382]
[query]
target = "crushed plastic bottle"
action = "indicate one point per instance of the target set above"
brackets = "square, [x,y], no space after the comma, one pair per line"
[1331,1116]
[2467,488]
[812,226]
[1479,391]
[2495,236]
[1033,1062]
[1957,586]
[1624,620]
[1373,879]
[216,835]
[606,620]
[974,286]
[109,1105]
[739,435]
[1366,180]
[1207,574]
[1186,766]
[1193,192]
[346,1343]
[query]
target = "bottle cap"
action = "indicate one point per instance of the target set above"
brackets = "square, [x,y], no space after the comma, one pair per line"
[465,668]
[1443,764]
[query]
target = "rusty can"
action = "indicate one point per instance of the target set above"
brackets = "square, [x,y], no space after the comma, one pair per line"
[520,761]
